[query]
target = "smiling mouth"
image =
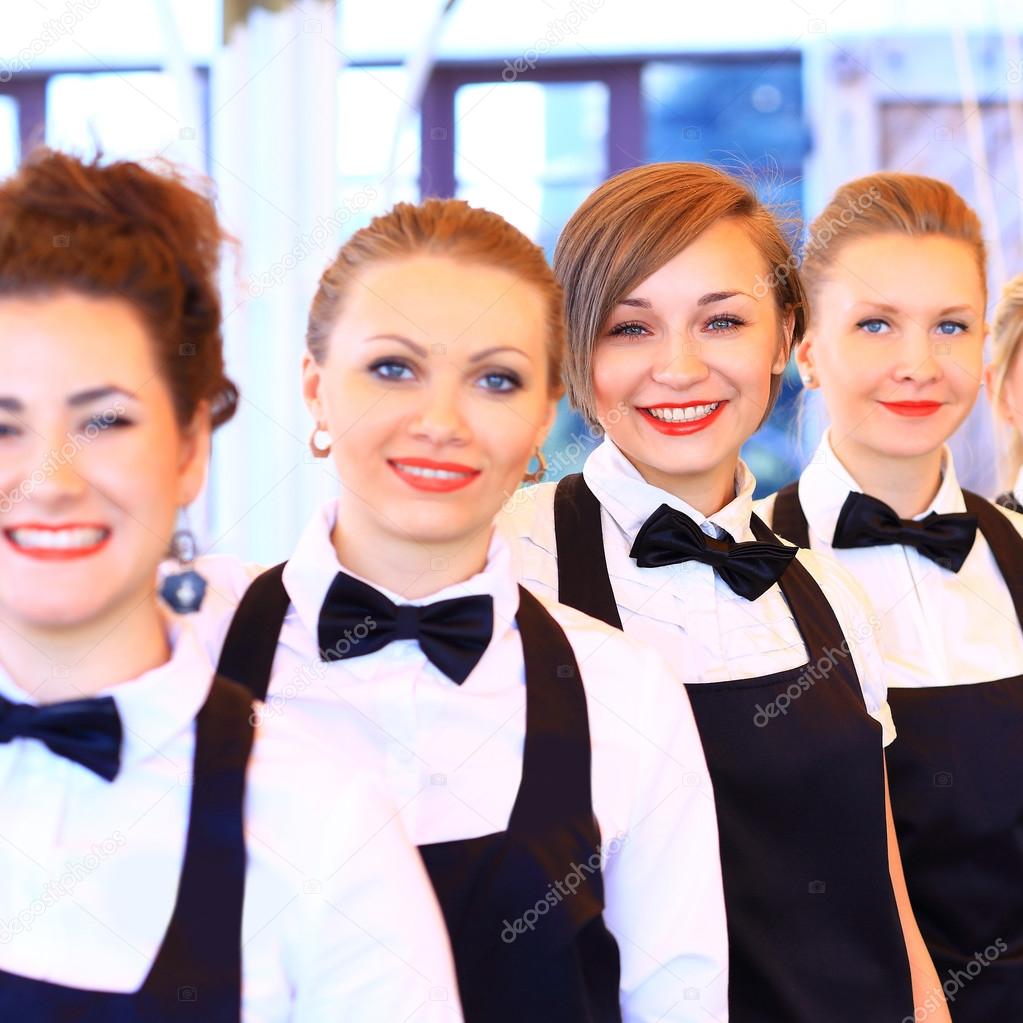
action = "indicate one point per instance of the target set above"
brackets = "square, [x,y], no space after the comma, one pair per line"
[686,414]
[430,473]
[56,543]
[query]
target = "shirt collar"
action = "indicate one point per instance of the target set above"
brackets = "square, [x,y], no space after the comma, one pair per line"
[630,500]
[157,705]
[314,564]
[825,484]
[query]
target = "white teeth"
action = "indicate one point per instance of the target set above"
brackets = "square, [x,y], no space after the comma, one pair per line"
[432,474]
[683,415]
[60,539]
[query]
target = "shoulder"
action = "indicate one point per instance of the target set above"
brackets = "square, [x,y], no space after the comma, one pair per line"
[1015,517]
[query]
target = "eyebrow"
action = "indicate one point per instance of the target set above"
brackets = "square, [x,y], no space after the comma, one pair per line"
[8,404]
[422,352]
[708,299]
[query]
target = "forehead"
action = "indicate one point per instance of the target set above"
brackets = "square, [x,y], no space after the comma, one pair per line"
[68,336]
[724,257]
[440,299]
[899,269]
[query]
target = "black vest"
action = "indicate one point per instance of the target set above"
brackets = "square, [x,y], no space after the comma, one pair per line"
[798,774]
[524,950]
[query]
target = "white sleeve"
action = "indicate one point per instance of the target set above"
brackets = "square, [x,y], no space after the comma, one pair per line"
[665,904]
[861,626]
[374,945]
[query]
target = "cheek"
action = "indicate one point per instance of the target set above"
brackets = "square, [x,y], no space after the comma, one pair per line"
[615,375]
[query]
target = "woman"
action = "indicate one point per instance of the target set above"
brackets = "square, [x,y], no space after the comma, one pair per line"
[682,306]
[898,297]
[131,891]
[1004,379]
[565,818]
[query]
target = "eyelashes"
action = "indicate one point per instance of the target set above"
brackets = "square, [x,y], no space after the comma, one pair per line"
[494,381]
[723,323]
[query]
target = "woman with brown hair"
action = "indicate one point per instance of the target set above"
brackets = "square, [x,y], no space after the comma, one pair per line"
[1004,378]
[683,302]
[565,820]
[158,850]
[898,293]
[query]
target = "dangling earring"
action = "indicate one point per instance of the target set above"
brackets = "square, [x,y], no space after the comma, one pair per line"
[537,474]
[183,591]
[315,447]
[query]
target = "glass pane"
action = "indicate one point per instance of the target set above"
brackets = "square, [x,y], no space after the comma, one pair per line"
[746,117]
[9,142]
[378,142]
[126,115]
[531,151]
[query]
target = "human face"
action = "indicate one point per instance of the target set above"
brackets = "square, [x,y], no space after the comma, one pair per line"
[896,343]
[93,465]
[692,341]
[434,391]
[1010,399]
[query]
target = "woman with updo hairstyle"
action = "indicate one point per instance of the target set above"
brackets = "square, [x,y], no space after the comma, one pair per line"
[1004,378]
[157,845]
[548,768]
[896,275]
[683,302]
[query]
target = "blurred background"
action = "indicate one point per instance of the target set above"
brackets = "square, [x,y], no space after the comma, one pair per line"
[310,117]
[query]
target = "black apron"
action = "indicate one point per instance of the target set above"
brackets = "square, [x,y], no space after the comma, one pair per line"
[956,777]
[525,948]
[797,768]
[197,973]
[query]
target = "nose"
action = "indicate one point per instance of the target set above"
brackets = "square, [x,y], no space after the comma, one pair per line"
[917,361]
[439,419]
[680,362]
[51,475]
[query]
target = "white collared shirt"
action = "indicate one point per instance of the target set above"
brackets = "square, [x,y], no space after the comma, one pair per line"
[339,921]
[451,758]
[937,627]
[687,609]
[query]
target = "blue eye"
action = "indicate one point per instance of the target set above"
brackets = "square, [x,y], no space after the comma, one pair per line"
[724,322]
[631,329]
[500,383]
[954,327]
[391,369]
[9,430]
[874,326]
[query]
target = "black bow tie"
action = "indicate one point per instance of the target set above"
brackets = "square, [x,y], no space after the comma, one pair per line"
[86,731]
[356,619]
[864,521]
[669,537]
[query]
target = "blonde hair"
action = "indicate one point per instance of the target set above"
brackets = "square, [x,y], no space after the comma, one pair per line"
[1006,334]
[632,225]
[440,227]
[890,203]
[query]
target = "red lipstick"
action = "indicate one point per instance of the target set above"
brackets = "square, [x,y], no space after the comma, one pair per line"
[435,477]
[912,409]
[682,428]
[63,546]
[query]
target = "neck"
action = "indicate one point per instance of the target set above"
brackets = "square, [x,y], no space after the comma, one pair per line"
[706,492]
[907,485]
[64,663]
[411,568]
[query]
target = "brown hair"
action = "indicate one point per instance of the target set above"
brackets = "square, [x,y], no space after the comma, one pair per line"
[636,222]
[123,231]
[1006,334]
[439,227]
[890,203]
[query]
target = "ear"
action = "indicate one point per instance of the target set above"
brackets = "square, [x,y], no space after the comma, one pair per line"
[1000,407]
[194,455]
[312,380]
[805,355]
[781,358]
[550,416]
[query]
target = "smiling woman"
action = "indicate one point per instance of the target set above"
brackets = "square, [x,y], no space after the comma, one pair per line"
[115,731]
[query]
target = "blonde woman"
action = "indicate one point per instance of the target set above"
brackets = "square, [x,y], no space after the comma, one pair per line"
[1004,379]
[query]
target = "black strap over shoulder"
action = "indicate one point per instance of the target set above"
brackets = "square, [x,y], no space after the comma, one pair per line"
[788,519]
